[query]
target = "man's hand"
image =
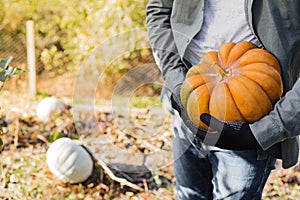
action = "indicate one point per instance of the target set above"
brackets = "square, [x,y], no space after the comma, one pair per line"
[177,105]
[232,135]
[225,135]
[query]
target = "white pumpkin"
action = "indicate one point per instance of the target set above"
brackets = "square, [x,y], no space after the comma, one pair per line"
[47,107]
[69,161]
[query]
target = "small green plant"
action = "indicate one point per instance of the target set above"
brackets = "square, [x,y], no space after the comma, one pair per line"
[6,71]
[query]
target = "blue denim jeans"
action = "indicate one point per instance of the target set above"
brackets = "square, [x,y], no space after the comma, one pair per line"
[216,173]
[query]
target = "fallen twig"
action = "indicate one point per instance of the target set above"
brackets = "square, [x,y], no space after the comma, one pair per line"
[122,181]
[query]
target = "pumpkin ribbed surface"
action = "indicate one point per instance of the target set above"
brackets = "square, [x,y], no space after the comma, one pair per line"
[69,161]
[240,82]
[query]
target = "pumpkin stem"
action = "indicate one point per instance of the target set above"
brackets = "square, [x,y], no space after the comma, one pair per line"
[223,73]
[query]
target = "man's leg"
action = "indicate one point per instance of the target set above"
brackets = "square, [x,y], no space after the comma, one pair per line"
[193,174]
[238,174]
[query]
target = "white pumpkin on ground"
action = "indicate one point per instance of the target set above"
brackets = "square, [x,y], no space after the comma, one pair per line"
[47,107]
[69,161]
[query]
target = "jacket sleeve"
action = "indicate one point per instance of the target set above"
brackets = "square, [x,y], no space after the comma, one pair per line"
[158,15]
[282,122]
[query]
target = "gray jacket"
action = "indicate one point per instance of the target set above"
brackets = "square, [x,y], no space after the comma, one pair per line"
[172,24]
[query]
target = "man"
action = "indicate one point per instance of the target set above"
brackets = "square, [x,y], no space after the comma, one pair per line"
[180,32]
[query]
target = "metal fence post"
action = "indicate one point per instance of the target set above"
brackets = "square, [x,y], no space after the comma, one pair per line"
[31,56]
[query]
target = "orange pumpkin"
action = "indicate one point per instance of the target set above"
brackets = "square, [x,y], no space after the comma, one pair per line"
[240,82]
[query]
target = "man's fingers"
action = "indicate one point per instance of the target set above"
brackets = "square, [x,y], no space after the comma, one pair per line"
[212,138]
[212,122]
[205,118]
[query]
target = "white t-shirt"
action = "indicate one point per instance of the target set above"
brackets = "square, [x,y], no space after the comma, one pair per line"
[224,21]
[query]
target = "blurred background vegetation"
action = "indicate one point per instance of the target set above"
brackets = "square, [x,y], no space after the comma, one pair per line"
[66,31]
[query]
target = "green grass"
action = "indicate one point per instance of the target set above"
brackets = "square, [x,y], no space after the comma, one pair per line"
[145,102]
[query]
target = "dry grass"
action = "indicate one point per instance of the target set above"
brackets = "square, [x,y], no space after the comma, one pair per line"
[25,175]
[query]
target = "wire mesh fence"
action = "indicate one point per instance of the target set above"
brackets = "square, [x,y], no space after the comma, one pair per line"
[50,82]
[14,44]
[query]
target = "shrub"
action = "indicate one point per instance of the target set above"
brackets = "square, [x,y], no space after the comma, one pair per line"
[67,31]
